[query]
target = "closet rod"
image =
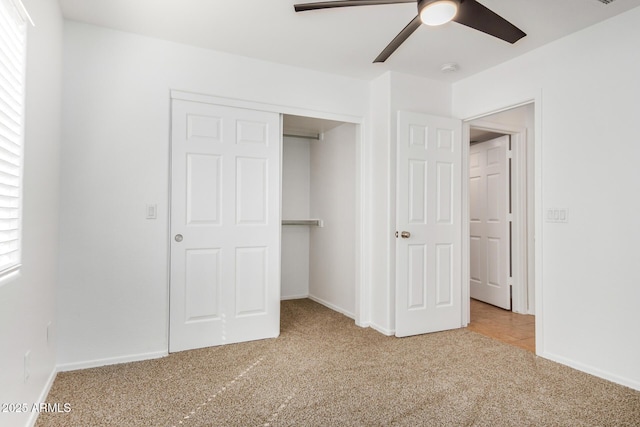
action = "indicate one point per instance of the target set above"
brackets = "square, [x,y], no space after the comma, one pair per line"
[315,137]
[316,222]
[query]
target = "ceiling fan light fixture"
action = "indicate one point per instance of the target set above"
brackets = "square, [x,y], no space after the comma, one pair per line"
[470,13]
[437,12]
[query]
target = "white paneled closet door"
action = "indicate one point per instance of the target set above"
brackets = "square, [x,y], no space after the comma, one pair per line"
[225,225]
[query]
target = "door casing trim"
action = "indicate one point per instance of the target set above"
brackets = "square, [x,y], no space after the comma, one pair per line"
[534,178]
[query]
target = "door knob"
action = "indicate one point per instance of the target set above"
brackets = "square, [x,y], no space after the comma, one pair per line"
[405,234]
[178,238]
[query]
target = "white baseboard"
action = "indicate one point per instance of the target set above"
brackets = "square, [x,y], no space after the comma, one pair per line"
[593,371]
[383,331]
[288,297]
[332,306]
[43,397]
[363,324]
[111,361]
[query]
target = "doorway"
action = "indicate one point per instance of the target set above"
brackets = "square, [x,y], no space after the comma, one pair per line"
[319,212]
[515,127]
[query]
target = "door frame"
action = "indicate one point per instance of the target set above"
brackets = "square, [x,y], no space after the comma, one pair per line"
[362,181]
[533,211]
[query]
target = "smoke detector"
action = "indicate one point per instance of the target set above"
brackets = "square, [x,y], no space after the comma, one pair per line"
[449,67]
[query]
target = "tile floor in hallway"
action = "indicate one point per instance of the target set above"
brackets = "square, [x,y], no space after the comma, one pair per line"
[506,326]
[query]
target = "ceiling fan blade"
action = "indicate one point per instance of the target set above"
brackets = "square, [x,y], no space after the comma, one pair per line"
[399,39]
[474,15]
[345,3]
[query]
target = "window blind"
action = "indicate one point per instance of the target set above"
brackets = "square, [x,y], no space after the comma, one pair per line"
[12,76]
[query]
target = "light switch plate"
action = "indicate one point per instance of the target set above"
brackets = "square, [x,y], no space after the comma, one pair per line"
[152,211]
[557,215]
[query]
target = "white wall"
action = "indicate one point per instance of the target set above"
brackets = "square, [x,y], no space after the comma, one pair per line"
[27,303]
[587,153]
[377,204]
[113,302]
[332,264]
[296,182]
[390,93]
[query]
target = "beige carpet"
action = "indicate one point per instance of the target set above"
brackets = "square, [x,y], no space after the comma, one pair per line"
[325,371]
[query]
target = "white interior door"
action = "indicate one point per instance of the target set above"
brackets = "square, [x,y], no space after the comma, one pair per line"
[428,257]
[225,225]
[489,227]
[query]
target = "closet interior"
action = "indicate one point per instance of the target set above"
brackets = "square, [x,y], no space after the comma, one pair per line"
[319,212]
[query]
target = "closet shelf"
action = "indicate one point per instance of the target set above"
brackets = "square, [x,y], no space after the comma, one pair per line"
[316,222]
[315,136]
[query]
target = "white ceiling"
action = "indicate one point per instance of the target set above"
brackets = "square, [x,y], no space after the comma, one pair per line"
[346,40]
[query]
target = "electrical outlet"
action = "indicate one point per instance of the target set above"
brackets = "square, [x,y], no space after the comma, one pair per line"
[27,365]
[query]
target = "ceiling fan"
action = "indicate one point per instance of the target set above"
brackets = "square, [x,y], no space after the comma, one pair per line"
[434,12]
